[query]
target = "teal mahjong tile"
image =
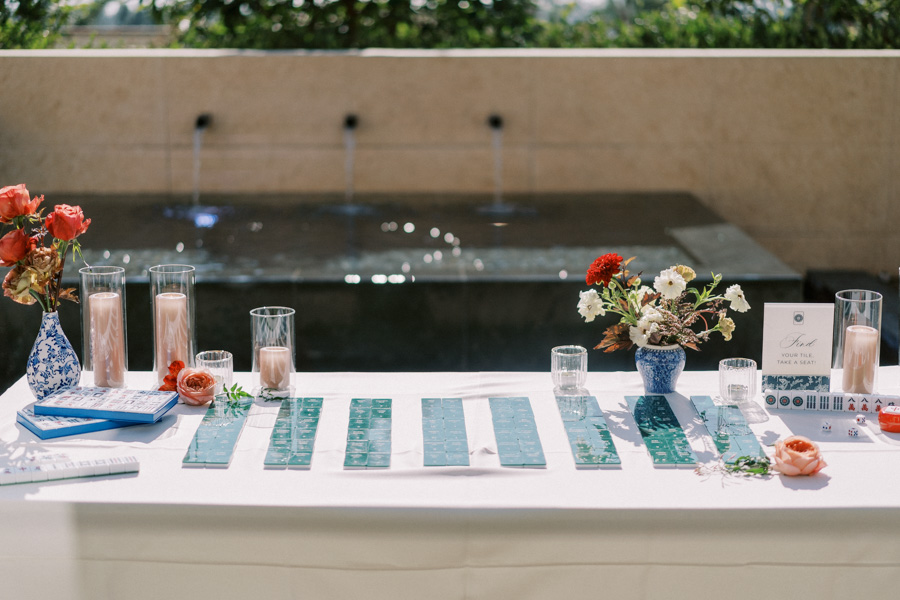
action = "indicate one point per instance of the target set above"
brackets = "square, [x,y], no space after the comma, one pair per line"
[381,413]
[357,447]
[379,423]
[276,459]
[456,446]
[432,412]
[496,403]
[363,412]
[359,423]
[379,434]
[457,459]
[380,461]
[357,402]
[435,459]
[529,447]
[356,435]
[379,447]
[507,448]
[302,446]
[313,402]
[306,423]
[434,447]
[508,424]
[300,459]
[310,412]
[533,459]
[433,424]
[381,403]
[455,424]
[431,402]
[357,459]
[433,435]
[304,434]
[511,459]
[455,435]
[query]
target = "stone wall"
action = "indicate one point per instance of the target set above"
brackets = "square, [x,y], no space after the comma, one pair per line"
[799,148]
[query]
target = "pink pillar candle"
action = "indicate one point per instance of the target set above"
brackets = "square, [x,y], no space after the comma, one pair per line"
[860,359]
[171,331]
[275,367]
[107,339]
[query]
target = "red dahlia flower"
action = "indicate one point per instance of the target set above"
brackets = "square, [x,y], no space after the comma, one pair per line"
[604,269]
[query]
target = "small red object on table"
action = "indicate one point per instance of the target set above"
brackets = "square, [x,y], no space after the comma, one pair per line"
[889,419]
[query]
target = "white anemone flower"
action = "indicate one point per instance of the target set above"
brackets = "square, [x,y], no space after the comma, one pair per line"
[651,314]
[670,284]
[590,305]
[640,335]
[735,295]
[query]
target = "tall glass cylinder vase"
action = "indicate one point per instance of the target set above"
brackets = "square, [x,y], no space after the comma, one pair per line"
[272,329]
[174,334]
[857,341]
[105,356]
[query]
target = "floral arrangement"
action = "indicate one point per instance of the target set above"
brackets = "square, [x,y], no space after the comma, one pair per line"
[668,313]
[36,274]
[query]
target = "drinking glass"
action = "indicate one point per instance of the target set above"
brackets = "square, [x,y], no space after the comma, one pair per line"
[568,366]
[737,386]
[221,364]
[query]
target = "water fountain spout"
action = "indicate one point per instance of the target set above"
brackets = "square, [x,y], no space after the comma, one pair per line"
[202,123]
[351,121]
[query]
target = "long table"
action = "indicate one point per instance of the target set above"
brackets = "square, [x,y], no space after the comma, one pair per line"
[482,531]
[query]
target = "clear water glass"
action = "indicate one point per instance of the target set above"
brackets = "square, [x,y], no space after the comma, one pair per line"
[737,380]
[568,366]
[221,364]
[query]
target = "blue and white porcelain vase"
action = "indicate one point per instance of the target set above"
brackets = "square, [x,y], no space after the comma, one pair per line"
[660,367]
[52,364]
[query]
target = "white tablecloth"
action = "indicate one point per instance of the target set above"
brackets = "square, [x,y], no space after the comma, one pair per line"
[477,532]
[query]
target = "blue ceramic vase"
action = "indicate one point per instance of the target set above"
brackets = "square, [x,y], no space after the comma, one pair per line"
[52,364]
[660,367]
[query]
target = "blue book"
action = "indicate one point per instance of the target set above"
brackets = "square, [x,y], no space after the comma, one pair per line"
[48,427]
[139,406]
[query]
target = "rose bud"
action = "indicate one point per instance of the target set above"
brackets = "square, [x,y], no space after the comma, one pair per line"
[196,387]
[14,246]
[66,222]
[797,455]
[15,202]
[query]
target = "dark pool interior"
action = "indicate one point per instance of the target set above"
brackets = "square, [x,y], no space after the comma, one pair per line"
[406,282]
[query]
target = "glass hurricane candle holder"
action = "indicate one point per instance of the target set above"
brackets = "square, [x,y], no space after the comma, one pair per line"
[174,335]
[105,354]
[272,329]
[857,341]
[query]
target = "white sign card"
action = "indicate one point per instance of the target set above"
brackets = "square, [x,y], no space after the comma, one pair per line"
[797,346]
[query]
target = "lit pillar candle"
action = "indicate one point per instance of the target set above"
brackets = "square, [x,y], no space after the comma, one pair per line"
[171,331]
[107,339]
[275,367]
[860,352]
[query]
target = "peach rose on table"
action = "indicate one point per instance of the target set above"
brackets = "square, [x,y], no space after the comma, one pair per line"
[196,387]
[66,222]
[14,246]
[798,455]
[15,201]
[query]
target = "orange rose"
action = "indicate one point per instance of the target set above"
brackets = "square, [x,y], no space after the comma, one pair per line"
[196,387]
[66,222]
[798,455]
[15,202]
[14,246]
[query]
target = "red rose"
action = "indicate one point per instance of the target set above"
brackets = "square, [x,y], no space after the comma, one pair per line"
[604,269]
[170,381]
[196,386]
[14,246]
[15,202]
[66,222]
